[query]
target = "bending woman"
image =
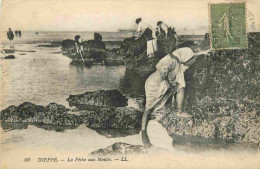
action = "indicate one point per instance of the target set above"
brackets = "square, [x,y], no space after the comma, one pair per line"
[164,82]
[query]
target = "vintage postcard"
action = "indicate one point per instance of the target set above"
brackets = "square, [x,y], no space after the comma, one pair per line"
[129,84]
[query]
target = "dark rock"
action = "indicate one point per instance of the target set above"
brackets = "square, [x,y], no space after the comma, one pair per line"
[25,51]
[68,44]
[114,62]
[97,37]
[234,128]
[120,148]
[94,51]
[10,57]
[28,110]
[114,59]
[9,51]
[87,62]
[105,98]
[135,52]
[55,114]
[92,44]
[53,45]
[223,97]
[51,114]
[113,118]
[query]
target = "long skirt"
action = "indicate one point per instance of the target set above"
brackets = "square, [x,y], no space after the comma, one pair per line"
[151,47]
[157,92]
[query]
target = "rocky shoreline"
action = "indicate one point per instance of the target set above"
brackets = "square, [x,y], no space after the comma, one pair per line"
[95,114]
[222,95]
[129,52]
[240,126]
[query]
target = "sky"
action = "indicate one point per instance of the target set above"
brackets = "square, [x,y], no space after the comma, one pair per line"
[109,15]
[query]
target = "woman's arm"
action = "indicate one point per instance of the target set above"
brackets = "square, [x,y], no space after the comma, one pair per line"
[195,57]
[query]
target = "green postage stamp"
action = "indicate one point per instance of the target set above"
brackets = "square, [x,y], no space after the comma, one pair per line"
[228,26]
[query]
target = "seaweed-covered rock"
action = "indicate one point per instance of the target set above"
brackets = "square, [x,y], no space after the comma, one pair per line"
[223,96]
[113,58]
[227,125]
[134,51]
[68,44]
[94,51]
[51,114]
[55,114]
[94,44]
[22,112]
[119,148]
[104,98]
[113,118]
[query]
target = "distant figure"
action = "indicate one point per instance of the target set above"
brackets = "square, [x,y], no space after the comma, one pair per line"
[170,35]
[149,32]
[20,33]
[10,36]
[162,28]
[16,33]
[79,46]
[2,52]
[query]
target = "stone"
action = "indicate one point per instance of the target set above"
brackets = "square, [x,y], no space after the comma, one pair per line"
[10,57]
[57,115]
[92,44]
[97,37]
[120,148]
[68,44]
[104,98]
[112,118]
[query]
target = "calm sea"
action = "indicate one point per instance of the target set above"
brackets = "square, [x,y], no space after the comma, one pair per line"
[48,36]
[42,75]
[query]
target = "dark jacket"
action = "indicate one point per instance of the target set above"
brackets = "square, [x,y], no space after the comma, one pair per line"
[10,35]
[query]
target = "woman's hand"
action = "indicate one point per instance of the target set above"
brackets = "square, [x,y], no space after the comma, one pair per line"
[201,53]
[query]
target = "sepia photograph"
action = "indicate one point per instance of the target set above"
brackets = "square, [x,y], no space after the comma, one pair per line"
[154,84]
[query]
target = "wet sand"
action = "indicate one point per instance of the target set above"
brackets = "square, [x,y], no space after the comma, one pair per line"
[38,143]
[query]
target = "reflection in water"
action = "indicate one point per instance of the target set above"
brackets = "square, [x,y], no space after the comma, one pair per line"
[132,86]
[132,83]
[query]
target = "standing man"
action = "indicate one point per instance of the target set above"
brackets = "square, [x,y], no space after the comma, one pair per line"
[10,36]
[149,32]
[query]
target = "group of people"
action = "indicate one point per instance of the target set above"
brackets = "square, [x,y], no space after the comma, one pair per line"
[151,34]
[10,36]
[18,33]
[168,79]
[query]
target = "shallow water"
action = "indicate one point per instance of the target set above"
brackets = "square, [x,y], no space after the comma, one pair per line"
[47,76]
